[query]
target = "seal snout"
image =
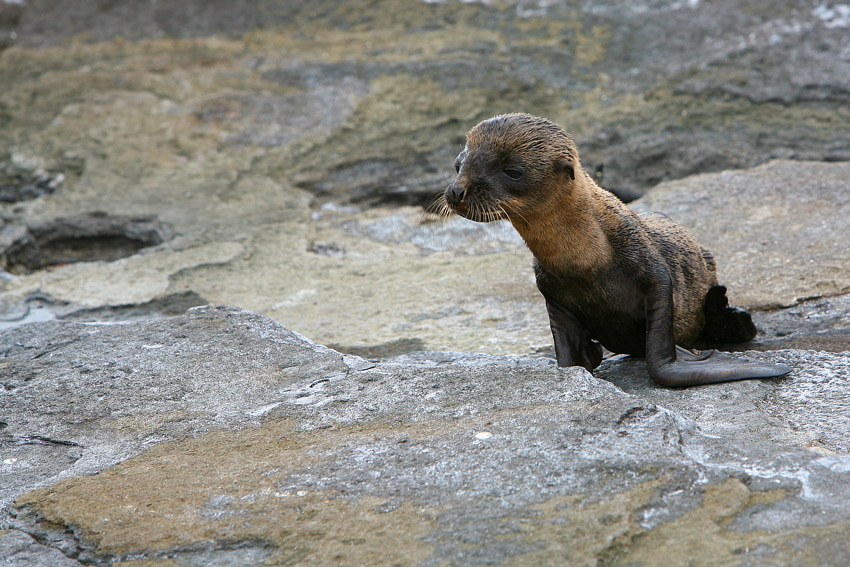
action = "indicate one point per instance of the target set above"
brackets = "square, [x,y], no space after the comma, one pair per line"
[474,201]
[455,194]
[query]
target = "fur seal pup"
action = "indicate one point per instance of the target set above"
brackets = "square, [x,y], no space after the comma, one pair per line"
[635,284]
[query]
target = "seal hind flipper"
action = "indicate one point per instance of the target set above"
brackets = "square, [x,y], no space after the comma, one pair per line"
[725,323]
[673,366]
[693,368]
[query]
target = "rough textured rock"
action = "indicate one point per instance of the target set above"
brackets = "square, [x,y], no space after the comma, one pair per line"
[344,275]
[221,438]
[252,144]
[819,324]
[276,156]
[89,237]
[775,230]
[20,550]
[649,88]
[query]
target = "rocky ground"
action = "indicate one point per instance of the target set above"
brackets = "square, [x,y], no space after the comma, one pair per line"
[278,157]
[221,438]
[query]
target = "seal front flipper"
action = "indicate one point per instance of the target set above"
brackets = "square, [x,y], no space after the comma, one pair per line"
[573,345]
[692,368]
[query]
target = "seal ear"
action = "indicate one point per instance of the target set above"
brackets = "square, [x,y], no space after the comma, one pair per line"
[567,167]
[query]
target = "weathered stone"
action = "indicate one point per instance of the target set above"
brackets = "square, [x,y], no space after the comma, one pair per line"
[85,238]
[223,438]
[220,438]
[745,410]
[817,324]
[14,190]
[238,142]
[777,231]
[20,550]
[648,90]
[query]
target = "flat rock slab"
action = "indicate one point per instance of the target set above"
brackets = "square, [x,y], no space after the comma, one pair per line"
[221,438]
[778,231]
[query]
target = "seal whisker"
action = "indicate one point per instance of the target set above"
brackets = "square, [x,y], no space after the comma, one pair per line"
[487,214]
[512,209]
[446,214]
[436,204]
[436,215]
[447,210]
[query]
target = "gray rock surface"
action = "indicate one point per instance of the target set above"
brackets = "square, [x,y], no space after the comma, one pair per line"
[779,242]
[220,437]
[268,164]
[819,324]
[277,156]
[20,550]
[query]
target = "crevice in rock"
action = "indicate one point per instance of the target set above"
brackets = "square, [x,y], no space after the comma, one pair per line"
[24,178]
[25,188]
[23,550]
[56,347]
[68,540]
[619,545]
[62,538]
[88,237]
[41,440]
[40,308]
[169,305]
[816,323]
[384,350]
[380,182]
[637,413]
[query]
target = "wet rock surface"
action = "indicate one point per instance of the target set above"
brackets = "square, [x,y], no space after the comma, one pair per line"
[220,437]
[279,157]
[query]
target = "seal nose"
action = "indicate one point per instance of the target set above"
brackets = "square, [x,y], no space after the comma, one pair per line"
[455,193]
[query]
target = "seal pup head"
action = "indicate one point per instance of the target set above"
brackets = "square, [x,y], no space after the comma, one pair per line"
[509,164]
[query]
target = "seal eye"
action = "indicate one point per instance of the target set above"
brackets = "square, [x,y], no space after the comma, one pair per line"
[512,173]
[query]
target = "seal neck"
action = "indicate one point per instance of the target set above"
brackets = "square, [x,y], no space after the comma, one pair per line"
[566,234]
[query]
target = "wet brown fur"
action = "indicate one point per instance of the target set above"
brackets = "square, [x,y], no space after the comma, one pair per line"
[585,241]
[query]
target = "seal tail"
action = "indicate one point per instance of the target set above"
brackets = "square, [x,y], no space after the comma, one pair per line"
[725,323]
